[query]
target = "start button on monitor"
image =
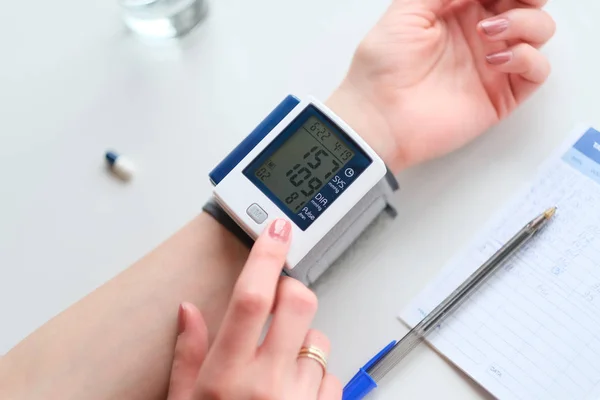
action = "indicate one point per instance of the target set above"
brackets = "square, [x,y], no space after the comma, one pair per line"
[257,214]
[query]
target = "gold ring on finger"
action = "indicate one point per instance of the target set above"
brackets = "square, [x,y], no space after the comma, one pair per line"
[314,353]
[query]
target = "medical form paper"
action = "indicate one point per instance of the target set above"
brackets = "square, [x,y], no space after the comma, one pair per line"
[533,330]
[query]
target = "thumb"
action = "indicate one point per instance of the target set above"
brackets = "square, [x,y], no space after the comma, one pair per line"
[190,351]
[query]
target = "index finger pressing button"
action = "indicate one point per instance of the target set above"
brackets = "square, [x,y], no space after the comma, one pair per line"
[254,293]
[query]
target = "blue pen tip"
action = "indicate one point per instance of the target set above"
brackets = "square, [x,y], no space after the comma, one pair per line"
[111,157]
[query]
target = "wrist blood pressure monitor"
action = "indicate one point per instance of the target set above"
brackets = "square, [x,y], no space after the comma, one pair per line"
[304,164]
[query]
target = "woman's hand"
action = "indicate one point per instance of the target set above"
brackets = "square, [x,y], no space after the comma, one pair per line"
[434,74]
[238,366]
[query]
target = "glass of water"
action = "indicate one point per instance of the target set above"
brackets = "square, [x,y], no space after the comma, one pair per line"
[163,18]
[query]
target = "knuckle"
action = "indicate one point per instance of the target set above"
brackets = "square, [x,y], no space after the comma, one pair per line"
[251,303]
[319,339]
[549,22]
[215,387]
[367,49]
[211,391]
[547,66]
[552,25]
[326,342]
[546,75]
[541,66]
[298,297]
[364,49]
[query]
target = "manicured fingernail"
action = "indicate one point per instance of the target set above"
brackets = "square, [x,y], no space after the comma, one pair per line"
[499,58]
[181,318]
[280,230]
[494,26]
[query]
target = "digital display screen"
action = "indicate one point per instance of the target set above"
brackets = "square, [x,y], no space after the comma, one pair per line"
[307,167]
[304,164]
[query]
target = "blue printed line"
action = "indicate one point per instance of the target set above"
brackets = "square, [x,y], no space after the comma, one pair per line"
[583,164]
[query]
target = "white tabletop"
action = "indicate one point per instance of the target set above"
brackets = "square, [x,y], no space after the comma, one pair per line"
[74,83]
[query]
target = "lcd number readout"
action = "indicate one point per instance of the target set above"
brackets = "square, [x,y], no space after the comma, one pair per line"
[297,171]
[320,202]
[329,140]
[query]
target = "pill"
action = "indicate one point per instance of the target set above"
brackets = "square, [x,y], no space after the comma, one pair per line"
[119,165]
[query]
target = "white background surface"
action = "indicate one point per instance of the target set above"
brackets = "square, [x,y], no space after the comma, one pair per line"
[73,83]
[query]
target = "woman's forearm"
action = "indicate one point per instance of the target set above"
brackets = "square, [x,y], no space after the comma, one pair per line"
[117,342]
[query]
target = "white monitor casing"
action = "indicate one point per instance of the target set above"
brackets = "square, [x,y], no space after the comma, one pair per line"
[236,193]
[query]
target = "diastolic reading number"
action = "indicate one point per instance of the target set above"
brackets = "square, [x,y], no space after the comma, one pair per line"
[299,173]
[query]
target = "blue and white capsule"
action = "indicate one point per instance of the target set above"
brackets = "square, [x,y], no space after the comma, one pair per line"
[119,165]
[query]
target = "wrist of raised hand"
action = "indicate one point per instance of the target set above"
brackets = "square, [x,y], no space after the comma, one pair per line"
[367,118]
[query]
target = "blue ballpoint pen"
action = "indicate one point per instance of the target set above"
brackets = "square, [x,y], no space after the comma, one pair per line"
[368,376]
[363,383]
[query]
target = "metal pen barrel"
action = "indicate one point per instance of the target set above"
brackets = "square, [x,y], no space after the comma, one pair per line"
[412,339]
